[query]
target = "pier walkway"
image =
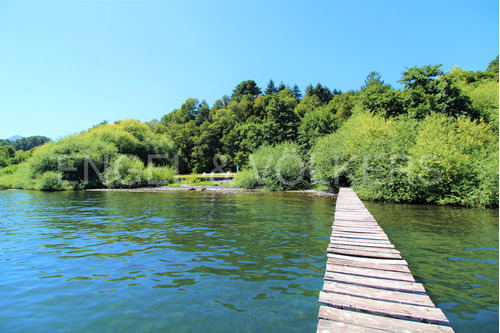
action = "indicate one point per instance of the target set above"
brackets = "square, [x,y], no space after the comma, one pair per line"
[368,286]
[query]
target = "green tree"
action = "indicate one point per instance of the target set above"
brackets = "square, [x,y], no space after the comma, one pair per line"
[427,90]
[493,68]
[7,153]
[248,87]
[381,98]
[281,122]
[296,92]
[324,94]
[271,88]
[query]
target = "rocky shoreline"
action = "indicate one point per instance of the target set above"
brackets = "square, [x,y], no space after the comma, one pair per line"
[212,189]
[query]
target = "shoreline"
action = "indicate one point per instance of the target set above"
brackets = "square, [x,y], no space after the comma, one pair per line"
[212,189]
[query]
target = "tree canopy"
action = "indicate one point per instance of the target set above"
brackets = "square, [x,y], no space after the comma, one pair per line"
[375,119]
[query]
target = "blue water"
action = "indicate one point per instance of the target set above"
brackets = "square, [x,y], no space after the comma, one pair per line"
[453,251]
[203,262]
[161,262]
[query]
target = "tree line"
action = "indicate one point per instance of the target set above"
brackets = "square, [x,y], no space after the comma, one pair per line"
[327,130]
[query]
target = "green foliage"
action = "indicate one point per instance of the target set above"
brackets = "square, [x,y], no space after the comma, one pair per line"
[26,144]
[282,122]
[381,98]
[354,138]
[315,124]
[124,171]
[463,168]
[6,155]
[399,160]
[82,159]
[323,93]
[308,104]
[278,167]
[493,68]
[51,181]
[482,89]
[427,91]
[154,176]
[271,88]
[248,87]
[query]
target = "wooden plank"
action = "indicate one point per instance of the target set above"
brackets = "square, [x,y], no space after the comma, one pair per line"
[395,310]
[370,221]
[362,264]
[378,294]
[370,272]
[367,248]
[382,324]
[357,243]
[359,226]
[361,241]
[410,287]
[354,235]
[350,224]
[359,230]
[370,260]
[326,326]
[362,253]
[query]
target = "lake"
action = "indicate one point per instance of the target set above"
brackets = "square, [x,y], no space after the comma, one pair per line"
[209,262]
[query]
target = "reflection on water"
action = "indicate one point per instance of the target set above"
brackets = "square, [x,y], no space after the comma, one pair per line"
[176,262]
[454,253]
[112,261]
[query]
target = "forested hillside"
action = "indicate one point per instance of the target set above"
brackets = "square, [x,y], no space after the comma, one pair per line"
[434,140]
[25,144]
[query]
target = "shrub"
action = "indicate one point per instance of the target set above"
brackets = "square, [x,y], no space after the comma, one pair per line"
[370,153]
[462,168]
[124,171]
[6,182]
[278,167]
[153,175]
[51,181]
[440,160]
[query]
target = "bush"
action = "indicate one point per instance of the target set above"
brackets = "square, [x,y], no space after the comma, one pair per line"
[246,179]
[463,168]
[158,175]
[51,181]
[6,182]
[124,172]
[370,153]
[438,160]
[82,158]
[278,167]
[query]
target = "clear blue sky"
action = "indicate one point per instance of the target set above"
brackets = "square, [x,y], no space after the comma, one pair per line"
[67,65]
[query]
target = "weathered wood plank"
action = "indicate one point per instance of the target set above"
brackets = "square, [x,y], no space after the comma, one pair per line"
[360,236]
[362,253]
[360,240]
[357,243]
[339,219]
[364,264]
[370,272]
[326,326]
[367,248]
[430,315]
[378,294]
[382,324]
[357,224]
[410,287]
[370,260]
[359,230]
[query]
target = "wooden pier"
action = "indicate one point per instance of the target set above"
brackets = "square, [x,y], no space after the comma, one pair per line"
[368,286]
